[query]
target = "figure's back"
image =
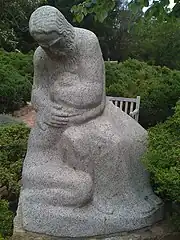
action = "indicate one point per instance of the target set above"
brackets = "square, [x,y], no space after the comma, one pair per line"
[88,43]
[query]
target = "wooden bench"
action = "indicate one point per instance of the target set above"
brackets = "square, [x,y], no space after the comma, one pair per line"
[128,105]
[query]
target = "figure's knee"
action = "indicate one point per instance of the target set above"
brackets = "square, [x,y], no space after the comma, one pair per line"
[80,192]
[68,186]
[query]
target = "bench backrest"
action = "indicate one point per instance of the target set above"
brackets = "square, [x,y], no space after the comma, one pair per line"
[128,105]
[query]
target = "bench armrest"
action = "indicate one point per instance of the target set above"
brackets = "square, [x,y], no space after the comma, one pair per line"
[132,114]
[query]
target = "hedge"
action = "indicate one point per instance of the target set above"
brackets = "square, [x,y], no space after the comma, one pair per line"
[15,80]
[159,88]
[6,220]
[21,62]
[163,157]
[13,145]
[163,162]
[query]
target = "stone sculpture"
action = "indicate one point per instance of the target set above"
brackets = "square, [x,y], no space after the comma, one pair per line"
[82,174]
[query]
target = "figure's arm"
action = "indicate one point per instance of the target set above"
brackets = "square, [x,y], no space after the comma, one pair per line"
[88,97]
[38,96]
[37,99]
[84,95]
[87,89]
[93,95]
[89,114]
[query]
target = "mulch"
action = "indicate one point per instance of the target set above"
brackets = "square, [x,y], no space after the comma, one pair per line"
[27,115]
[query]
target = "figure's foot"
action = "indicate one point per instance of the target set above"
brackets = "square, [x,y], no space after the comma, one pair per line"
[153,199]
[103,206]
[147,203]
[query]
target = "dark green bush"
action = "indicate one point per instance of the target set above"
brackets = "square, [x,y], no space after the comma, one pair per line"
[163,157]
[163,162]
[15,80]
[15,89]
[158,87]
[6,219]
[21,62]
[13,145]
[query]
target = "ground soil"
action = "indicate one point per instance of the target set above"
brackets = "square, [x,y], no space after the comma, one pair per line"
[27,115]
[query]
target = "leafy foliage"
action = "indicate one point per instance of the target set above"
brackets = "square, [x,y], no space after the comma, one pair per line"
[158,87]
[6,220]
[163,157]
[21,62]
[15,80]
[8,38]
[156,42]
[14,17]
[101,8]
[13,145]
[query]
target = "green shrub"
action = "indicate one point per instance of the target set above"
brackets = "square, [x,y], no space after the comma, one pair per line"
[15,89]
[6,219]
[21,62]
[158,87]
[13,145]
[15,80]
[163,157]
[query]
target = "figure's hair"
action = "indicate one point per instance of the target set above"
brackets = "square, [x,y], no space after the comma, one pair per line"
[47,19]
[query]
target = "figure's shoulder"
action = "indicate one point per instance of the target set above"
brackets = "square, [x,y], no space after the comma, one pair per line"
[86,34]
[40,56]
[87,40]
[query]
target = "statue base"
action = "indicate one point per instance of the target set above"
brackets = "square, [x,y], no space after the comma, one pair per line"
[73,224]
[159,231]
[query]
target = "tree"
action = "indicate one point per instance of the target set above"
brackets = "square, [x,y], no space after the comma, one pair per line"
[101,8]
[156,42]
[14,17]
[65,7]
[176,10]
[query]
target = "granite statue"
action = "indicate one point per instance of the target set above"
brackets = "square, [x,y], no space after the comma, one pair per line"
[82,175]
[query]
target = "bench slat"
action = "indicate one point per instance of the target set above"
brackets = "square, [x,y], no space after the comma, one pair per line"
[131,107]
[121,105]
[120,99]
[126,107]
[134,103]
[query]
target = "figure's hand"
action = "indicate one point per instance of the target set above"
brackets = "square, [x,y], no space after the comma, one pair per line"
[56,117]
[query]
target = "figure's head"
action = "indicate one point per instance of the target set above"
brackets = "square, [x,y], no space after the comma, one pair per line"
[52,31]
